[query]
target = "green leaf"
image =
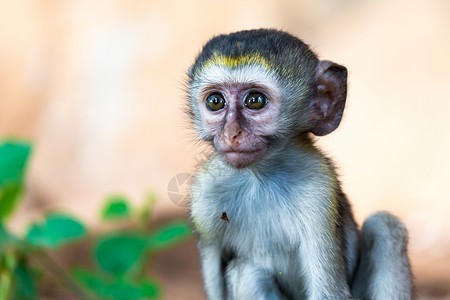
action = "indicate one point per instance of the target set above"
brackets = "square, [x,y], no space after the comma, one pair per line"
[108,287]
[169,235]
[13,159]
[125,290]
[9,195]
[25,286]
[55,231]
[117,253]
[116,207]
[90,280]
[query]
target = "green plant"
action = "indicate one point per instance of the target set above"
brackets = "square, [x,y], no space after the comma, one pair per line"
[119,256]
[15,275]
[13,160]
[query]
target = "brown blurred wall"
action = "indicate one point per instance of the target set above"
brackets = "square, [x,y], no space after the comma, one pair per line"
[98,87]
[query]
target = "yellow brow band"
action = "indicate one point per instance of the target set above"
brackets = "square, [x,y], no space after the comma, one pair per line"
[235,61]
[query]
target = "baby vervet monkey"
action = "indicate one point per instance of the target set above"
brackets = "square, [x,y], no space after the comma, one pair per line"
[271,218]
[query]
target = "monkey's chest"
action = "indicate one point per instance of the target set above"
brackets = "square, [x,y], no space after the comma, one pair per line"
[260,233]
[250,220]
[269,215]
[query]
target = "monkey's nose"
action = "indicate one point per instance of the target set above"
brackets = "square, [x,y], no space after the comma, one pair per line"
[231,133]
[232,139]
[235,135]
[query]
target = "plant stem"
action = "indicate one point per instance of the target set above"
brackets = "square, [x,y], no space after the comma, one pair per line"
[62,276]
[5,284]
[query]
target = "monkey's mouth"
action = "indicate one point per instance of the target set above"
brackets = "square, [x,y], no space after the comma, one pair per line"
[243,158]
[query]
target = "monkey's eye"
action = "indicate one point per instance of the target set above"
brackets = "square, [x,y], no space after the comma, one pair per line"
[215,102]
[255,100]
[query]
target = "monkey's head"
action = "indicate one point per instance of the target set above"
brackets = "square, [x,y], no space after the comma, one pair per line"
[253,91]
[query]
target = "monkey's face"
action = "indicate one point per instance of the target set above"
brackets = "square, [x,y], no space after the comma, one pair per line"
[261,90]
[239,109]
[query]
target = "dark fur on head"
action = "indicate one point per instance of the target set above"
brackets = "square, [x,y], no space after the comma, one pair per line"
[287,53]
[298,72]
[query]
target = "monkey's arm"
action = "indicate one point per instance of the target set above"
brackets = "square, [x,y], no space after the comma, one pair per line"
[322,261]
[247,280]
[210,256]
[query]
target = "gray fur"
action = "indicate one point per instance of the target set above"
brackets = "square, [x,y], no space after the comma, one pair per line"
[384,271]
[249,281]
[289,231]
[279,224]
[294,66]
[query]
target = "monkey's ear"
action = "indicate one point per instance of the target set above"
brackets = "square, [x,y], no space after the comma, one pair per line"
[329,100]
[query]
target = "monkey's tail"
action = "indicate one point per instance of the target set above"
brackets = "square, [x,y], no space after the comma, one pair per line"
[384,271]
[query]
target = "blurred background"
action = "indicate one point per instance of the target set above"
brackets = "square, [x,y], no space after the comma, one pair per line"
[97,86]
